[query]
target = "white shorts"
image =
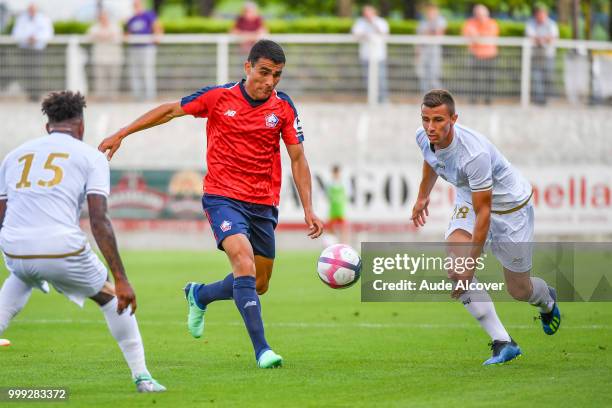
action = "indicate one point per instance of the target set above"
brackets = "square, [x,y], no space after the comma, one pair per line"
[510,235]
[78,277]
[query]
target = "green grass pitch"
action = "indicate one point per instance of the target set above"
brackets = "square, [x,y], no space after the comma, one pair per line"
[338,352]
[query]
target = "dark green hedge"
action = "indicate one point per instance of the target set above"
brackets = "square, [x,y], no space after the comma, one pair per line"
[198,25]
[70,27]
[303,25]
[311,25]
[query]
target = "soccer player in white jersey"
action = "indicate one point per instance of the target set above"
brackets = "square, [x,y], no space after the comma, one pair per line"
[43,184]
[492,204]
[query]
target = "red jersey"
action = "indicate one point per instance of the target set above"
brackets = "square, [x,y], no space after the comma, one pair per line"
[243,140]
[249,25]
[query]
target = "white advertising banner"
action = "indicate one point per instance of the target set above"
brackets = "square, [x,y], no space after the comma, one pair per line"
[568,199]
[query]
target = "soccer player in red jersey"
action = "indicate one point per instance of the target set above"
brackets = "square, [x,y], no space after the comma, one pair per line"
[246,121]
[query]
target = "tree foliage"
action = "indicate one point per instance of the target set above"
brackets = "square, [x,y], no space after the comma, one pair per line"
[404,7]
[395,8]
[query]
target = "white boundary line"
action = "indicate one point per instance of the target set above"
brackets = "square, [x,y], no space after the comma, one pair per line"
[299,325]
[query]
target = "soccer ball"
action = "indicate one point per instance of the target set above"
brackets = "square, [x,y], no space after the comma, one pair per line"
[339,266]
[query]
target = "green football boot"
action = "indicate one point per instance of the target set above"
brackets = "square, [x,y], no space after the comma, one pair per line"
[146,383]
[195,317]
[269,359]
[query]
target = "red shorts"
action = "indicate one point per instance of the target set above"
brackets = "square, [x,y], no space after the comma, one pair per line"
[335,221]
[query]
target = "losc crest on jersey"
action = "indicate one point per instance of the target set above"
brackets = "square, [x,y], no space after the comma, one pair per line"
[271,120]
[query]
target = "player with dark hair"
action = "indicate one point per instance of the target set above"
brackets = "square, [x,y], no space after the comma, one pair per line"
[492,203]
[246,121]
[43,184]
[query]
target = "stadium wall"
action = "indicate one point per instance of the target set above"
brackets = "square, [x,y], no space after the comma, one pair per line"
[565,152]
[347,133]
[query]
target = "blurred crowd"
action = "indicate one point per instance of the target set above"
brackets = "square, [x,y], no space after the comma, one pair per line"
[541,29]
[133,46]
[33,30]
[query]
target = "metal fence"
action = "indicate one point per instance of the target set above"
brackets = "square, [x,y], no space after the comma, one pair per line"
[319,67]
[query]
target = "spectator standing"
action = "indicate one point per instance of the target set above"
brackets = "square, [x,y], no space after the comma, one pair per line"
[5,16]
[250,26]
[337,195]
[543,31]
[142,55]
[371,30]
[483,53]
[32,31]
[107,55]
[4,20]
[429,57]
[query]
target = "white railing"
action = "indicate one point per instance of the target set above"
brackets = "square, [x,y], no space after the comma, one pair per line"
[327,67]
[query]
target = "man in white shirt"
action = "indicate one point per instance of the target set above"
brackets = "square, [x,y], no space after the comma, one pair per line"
[428,57]
[543,31]
[371,30]
[492,204]
[5,16]
[32,31]
[43,184]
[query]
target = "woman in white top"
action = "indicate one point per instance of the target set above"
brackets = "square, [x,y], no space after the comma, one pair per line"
[107,55]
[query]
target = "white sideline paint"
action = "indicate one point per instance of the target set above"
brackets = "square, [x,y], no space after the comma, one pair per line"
[300,325]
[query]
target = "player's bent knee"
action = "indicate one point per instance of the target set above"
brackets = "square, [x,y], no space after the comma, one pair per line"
[518,285]
[262,288]
[102,298]
[261,284]
[240,253]
[244,265]
[519,292]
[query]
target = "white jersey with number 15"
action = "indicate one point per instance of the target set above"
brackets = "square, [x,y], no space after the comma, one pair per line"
[45,182]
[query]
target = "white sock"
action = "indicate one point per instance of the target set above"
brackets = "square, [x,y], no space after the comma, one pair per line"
[124,329]
[13,297]
[540,296]
[480,305]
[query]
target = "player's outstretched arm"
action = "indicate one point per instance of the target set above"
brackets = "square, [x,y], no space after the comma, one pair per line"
[155,117]
[420,212]
[102,230]
[302,179]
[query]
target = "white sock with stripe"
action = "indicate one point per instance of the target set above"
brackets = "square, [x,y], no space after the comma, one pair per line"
[483,310]
[540,296]
[124,329]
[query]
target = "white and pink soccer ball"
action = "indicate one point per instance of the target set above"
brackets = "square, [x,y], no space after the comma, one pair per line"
[339,266]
